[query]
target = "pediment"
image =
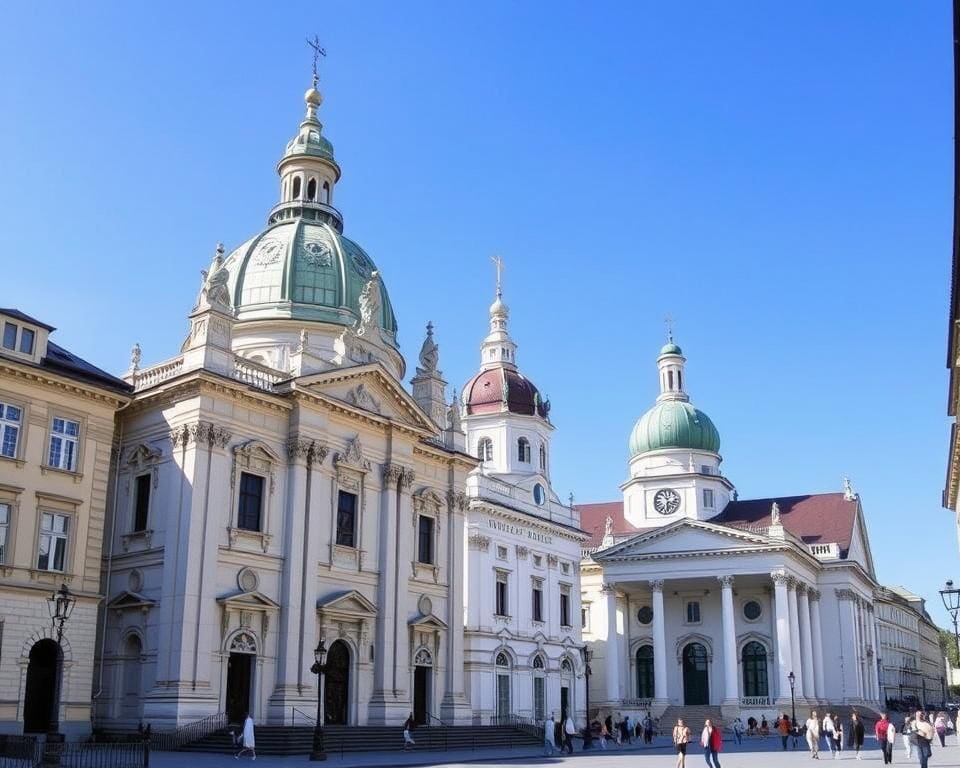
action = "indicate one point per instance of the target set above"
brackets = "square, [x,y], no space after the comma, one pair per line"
[370,388]
[350,603]
[128,600]
[685,536]
[429,621]
[248,601]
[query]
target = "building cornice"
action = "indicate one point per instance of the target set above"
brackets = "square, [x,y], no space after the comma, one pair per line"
[498,510]
[66,384]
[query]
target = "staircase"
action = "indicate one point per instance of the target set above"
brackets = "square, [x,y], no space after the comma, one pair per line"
[693,716]
[298,740]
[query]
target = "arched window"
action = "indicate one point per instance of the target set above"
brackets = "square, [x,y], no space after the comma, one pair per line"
[296,188]
[539,690]
[645,672]
[754,658]
[538,662]
[679,379]
[325,197]
[670,379]
[543,457]
[503,660]
[312,189]
[523,450]
[503,687]
[566,666]
[485,449]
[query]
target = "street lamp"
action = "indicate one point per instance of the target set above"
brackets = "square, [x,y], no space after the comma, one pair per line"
[951,601]
[793,702]
[318,668]
[60,605]
[587,658]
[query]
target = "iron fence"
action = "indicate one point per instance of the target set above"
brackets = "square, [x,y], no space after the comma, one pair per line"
[28,752]
[170,741]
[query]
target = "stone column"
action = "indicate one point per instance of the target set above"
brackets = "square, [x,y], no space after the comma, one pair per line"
[806,641]
[818,679]
[878,693]
[731,689]
[612,649]
[795,637]
[781,609]
[659,644]
[455,708]
[405,553]
[857,647]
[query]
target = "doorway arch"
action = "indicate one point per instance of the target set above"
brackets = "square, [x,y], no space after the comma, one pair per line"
[336,685]
[754,662]
[645,672]
[41,686]
[696,680]
[241,667]
[132,679]
[503,673]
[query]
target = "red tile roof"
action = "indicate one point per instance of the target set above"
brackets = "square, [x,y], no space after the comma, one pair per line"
[815,518]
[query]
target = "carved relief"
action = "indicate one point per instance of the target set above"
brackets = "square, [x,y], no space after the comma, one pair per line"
[780,577]
[656,585]
[200,433]
[391,475]
[457,500]
[298,449]
[316,253]
[479,542]
[248,580]
[552,561]
[725,581]
[353,456]
[427,500]
[243,643]
[522,552]
[269,251]
[135,580]
[425,605]
[361,397]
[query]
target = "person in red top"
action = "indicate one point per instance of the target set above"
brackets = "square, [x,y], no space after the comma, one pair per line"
[880,731]
[712,742]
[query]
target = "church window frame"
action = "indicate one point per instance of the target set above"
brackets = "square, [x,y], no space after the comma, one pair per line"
[754,659]
[565,606]
[297,184]
[645,677]
[523,450]
[141,500]
[426,534]
[250,502]
[501,593]
[346,521]
[312,189]
[585,617]
[692,613]
[539,688]
[485,449]
[8,512]
[708,498]
[325,192]
[543,457]
[257,458]
[536,600]
[750,613]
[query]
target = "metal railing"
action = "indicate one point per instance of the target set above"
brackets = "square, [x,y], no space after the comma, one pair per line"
[525,724]
[27,752]
[309,718]
[168,741]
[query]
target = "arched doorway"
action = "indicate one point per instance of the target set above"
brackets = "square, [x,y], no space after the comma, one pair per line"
[41,687]
[132,650]
[336,684]
[754,662]
[567,704]
[240,667]
[696,685]
[645,672]
[422,678]
[503,685]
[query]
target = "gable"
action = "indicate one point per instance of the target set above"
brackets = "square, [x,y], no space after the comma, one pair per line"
[349,603]
[859,549]
[683,536]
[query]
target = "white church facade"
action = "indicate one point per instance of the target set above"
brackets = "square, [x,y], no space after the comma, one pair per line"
[694,597]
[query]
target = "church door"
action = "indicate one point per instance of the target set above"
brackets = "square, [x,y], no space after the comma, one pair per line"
[239,679]
[336,684]
[696,687]
[41,687]
[421,688]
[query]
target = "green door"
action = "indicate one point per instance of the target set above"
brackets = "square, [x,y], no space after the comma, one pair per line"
[696,687]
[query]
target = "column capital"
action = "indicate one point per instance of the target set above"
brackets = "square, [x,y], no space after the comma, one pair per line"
[801,588]
[780,577]
[656,585]
[726,582]
[814,594]
[609,587]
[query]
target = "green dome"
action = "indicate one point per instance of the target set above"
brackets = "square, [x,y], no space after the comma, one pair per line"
[674,424]
[670,349]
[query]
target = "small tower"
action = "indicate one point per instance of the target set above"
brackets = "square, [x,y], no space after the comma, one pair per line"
[429,387]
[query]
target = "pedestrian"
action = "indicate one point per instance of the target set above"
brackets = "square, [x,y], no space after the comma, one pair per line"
[940,726]
[813,735]
[738,729]
[712,742]
[764,727]
[907,736]
[783,728]
[604,735]
[569,729]
[830,732]
[647,729]
[841,731]
[408,726]
[924,733]
[880,731]
[549,744]
[681,737]
[618,731]
[956,730]
[608,722]
[856,737]
[794,731]
[247,741]
[627,731]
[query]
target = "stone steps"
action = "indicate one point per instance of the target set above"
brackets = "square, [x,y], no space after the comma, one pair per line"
[693,717]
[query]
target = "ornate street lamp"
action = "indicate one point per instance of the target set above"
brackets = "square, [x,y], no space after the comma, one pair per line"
[951,601]
[318,668]
[60,605]
[587,658]
[793,702]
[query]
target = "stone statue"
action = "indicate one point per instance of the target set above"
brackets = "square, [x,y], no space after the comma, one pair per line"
[453,414]
[135,355]
[608,528]
[429,352]
[370,302]
[304,338]
[213,288]
[775,514]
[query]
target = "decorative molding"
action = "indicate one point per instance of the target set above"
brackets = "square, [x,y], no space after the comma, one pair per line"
[845,594]
[407,477]
[360,396]
[479,542]
[200,433]
[725,581]
[457,500]
[427,500]
[256,456]
[236,534]
[552,561]
[522,552]
[353,456]
[781,577]
[299,449]
[319,453]
[656,585]
[814,594]
[801,588]
[248,580]
[391,474]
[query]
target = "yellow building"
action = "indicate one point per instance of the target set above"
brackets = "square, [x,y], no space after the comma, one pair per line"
[57,415]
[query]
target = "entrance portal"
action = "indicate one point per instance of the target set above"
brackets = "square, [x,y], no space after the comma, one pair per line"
[421,688]
[41,687]
[696,686]
[336,684]
[239,683]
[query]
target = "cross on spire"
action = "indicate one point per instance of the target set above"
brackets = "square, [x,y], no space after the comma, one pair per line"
[669,321]
[318,51]
[498,262]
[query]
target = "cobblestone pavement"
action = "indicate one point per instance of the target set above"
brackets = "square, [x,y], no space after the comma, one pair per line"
[753,753]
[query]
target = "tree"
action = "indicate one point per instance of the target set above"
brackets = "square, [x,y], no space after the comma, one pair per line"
[948,645]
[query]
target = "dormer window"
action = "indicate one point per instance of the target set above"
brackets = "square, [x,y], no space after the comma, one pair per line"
[18,338]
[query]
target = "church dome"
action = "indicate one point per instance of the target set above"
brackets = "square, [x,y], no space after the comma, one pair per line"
[670,349]
[500,389]
[674,424]
[306,270]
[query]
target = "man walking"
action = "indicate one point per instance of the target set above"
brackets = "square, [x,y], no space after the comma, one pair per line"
[569,729]
[813,735]
[549,745]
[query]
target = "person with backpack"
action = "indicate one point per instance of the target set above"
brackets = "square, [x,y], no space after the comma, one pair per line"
[712,742]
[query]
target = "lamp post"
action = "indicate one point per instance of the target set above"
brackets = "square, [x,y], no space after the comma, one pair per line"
[60,605]
[587,658]
[793,702]
[951,601]
[318,668]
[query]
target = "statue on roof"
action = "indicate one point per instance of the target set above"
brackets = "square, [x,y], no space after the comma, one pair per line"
[213,286]
[608,527]
[429,352]
[775,514]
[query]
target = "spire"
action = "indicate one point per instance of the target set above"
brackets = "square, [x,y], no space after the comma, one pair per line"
[498,349]
[671,362]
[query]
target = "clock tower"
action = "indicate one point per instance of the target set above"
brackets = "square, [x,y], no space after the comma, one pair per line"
[674,467]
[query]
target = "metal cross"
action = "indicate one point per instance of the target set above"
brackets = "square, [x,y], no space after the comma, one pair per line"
[499,265]
[317,53]
[669,322]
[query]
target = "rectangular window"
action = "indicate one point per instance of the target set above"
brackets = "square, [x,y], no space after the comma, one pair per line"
[537,600]
[501,594]
[705,469]
[251,502]
[347,519]
[565,567]
[9,336]
[538,561]
[52,554]
[141,503]
[26,341]
[693,612]
[708,498]
[4,530]
[501,552]
[64,436]
[584,619]
[425,540]
[539,699]
[10,418]
[564,606]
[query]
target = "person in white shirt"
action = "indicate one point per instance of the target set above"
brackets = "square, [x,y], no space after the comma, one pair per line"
[569,729]
[549,744]
[813,735]
[830,731]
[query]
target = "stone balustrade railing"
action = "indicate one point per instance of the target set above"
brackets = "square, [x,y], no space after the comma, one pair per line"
[830,551]
[256,375]
[150,377]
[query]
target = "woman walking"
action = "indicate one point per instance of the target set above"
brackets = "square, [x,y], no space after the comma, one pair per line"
[712,742]
[247,743]
[940,726]
[408,727]
[831,734]
[905,734]
[813,735]
[856,738]
[681,737]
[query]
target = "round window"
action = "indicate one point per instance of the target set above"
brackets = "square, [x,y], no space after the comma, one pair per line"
[752,610]
[645,615]
[539,495]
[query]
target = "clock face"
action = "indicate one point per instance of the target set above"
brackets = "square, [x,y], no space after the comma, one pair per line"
[666,501]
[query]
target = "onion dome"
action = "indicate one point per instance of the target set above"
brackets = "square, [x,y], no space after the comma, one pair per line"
[502,389]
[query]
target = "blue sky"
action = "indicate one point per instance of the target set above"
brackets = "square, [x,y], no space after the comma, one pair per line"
[776,176]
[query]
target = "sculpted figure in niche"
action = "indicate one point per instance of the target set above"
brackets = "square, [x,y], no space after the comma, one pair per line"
[370,302]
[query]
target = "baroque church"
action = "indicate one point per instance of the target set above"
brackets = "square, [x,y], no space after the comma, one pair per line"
[278,486]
